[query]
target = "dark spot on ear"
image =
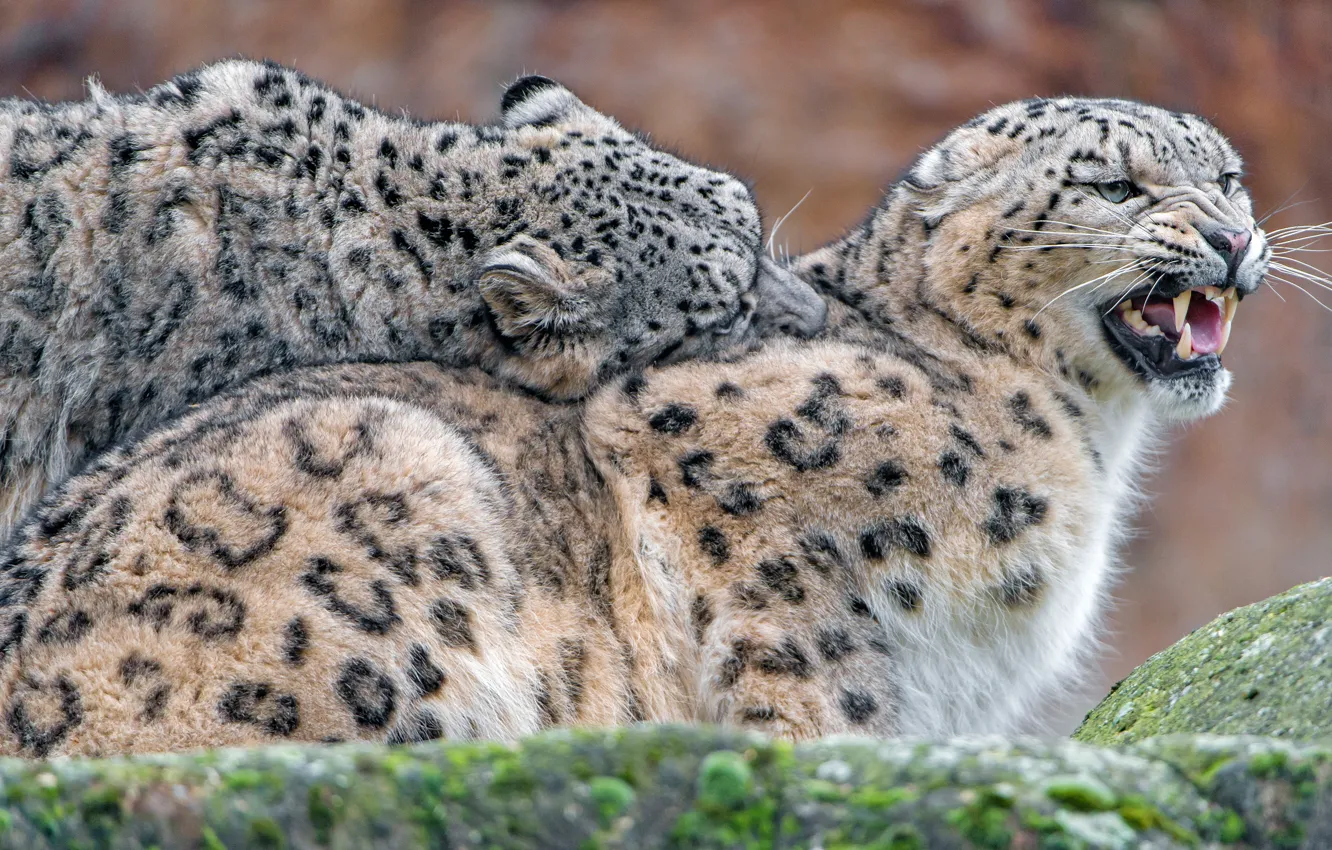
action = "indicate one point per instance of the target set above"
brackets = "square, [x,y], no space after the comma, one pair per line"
[858,706]
[1033,330]
[523,88]
[714,544]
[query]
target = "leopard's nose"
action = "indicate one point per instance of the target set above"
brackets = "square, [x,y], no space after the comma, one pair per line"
[1230,244]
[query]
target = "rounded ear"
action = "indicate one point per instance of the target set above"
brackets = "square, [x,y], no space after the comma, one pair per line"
[531,291]
[536,101]
[965,153]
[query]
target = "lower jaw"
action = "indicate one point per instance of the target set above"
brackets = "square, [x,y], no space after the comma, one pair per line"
[1154,358]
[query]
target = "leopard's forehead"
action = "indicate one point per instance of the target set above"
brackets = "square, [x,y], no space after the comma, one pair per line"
[600,160]
[1112,138]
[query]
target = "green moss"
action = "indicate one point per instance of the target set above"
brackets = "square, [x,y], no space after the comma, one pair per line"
[611,795]
[323,807]
[986,822]
[1267,765]
[1250,671]
[103,803]
[1232,828]
[1080,793]
[210,839]
[265,834]
[724,780]
[880,799]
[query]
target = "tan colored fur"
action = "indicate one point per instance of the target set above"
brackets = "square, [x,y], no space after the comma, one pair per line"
[905,528]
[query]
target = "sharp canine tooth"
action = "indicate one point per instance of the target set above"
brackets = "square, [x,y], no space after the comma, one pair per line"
[1225,338]
[1232,304]
[1182,308]
[1185,347]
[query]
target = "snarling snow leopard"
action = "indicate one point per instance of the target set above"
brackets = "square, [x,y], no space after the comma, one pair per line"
[905,527]
[243,219]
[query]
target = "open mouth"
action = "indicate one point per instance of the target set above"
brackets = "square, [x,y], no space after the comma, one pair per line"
[1161,335]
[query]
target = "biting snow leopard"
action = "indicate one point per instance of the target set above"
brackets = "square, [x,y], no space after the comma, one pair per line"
[244,219]
[905,527]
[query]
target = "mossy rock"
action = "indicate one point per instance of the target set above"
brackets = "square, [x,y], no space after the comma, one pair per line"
[682,787]
[1265,669]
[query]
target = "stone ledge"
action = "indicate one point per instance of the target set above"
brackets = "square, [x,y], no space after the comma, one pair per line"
[648,787]
[1264,669]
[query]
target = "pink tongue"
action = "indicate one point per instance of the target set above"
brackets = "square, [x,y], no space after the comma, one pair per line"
[1206,323]
[1205,319]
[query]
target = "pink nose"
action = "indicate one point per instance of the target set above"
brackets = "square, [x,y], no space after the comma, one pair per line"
[1231,244]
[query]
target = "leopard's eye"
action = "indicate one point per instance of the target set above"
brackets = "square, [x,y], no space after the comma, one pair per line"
[1117,191]
[1228,183]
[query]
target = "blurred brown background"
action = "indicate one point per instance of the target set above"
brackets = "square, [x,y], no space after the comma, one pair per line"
[835,97]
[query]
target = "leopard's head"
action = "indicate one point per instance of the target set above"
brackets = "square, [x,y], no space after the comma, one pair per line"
[1112,238]
[628,256]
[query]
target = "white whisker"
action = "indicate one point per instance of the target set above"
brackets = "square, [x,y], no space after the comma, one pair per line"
[1137,264]
[1286,204]
[1303,275]
[778,224]
[1069,245]
[1127,289]
[1305,291]
[1312,269]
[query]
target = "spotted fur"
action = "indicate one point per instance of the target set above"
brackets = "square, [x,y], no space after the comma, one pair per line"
[904,528]
[244,219]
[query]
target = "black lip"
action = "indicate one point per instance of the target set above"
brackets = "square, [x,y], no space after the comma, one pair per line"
[1154,357]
